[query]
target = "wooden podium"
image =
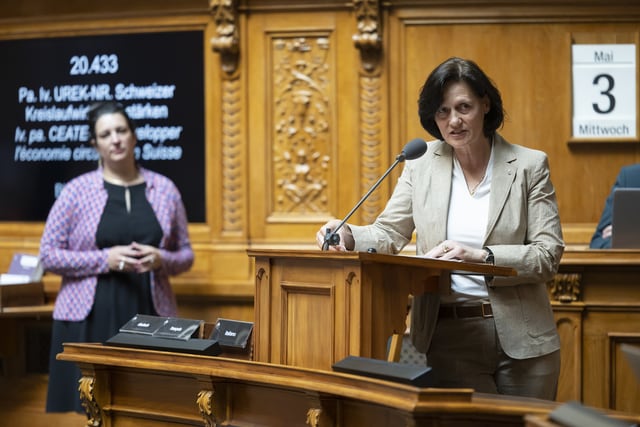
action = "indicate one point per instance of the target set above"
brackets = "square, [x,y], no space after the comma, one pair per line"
[314,308]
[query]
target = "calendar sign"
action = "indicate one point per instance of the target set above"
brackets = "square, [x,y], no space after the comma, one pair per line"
[604,91]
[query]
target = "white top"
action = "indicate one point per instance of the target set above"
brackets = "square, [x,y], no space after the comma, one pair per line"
[467,224]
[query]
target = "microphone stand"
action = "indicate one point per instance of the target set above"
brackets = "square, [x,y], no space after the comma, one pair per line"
[332,238]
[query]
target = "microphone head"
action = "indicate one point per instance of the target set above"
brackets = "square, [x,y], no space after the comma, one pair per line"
[414,149]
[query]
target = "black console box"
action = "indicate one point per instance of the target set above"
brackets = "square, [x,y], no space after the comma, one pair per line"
[192,346]
[419,376]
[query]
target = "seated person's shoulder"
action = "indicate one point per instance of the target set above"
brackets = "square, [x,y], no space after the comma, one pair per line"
[631,170]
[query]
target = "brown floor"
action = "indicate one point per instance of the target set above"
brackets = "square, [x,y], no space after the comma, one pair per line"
[22,402]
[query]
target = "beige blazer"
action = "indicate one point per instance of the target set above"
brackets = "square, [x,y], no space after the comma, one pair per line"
[523,231]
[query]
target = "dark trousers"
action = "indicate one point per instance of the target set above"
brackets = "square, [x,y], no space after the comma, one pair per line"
[466,353]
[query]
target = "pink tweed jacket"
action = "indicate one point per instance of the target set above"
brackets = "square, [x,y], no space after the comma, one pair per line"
[68,244]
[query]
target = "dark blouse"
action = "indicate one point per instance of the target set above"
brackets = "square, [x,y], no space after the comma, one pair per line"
[120,296]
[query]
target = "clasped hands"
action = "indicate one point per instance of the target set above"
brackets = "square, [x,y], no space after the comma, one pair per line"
[135,257]
[452,250]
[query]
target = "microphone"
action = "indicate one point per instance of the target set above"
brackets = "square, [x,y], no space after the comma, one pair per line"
[413,150]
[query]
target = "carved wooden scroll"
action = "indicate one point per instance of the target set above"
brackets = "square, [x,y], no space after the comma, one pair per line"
[565,287]
[204,402]
[369,37]
[226,41]
[94,415]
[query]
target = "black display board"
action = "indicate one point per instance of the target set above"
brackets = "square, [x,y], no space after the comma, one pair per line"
[46,87]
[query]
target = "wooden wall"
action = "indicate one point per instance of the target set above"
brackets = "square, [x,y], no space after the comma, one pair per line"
[307,103]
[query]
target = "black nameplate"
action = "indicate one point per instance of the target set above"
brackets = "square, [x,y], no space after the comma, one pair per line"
[419,376]
[163,327]
[232,333]
[192,346]
[143,324]
[178,329]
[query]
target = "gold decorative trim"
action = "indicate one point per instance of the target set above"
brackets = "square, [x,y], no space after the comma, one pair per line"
[226,42]
[369,37]
[565,287]
[313,417]
[91,407]
[204,402]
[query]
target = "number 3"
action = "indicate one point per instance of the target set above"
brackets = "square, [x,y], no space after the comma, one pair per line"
[607,93]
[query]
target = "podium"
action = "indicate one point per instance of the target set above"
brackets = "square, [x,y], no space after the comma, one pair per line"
[314,308]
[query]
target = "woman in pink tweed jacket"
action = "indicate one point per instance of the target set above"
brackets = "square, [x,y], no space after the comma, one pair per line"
[68,245]
[115,235]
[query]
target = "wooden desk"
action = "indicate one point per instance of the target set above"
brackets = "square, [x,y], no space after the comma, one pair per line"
[596,301]
[36,311]
[21,295]
[126,387]
[24,339]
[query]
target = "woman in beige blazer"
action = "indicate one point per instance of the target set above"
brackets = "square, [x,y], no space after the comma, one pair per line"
[475,197]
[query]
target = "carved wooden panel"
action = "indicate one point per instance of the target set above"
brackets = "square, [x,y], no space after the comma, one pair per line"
[602,376]
[569,323]
[305,304]
[305,328]
[625,382]
[301,122]
[304,151]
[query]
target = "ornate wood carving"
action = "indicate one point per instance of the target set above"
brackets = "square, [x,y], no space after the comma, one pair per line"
[94,415]
[204,402]
[302,121]
[260,274]
[565,287]
[313,417]
[369,38]
[371,145]
[226,41]
[350,277]
[233,188]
